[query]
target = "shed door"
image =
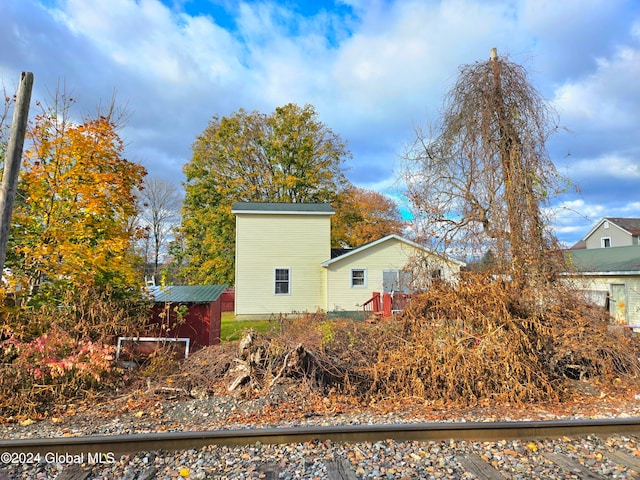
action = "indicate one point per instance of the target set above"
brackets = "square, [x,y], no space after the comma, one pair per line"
[618,303]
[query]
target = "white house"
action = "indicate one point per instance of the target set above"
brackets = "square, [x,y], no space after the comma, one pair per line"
[284,263]
[611,278]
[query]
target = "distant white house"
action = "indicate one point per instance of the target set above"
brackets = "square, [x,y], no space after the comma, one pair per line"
[284,263]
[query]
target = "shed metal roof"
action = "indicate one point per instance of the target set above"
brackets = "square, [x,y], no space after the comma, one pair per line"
[606,260]
[283,208]
[187,293]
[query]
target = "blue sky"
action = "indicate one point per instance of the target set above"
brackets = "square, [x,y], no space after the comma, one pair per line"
[373,69]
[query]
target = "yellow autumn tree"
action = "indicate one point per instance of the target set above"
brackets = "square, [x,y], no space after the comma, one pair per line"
[363,216]
[72,222]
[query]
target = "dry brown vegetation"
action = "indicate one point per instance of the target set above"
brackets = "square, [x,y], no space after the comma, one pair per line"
[53,355]
[474,342]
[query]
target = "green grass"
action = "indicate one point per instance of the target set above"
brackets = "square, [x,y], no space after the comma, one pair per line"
[232,329]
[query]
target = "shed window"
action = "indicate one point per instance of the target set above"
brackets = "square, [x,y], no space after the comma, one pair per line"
[605,242]
[358,277]
[282,279]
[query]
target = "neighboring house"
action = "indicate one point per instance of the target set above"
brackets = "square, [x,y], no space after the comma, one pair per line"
[611,278]
[611,232]
[284,263]
[391,264]
[192,312]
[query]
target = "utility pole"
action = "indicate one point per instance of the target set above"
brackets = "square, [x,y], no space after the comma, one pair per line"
[13,160]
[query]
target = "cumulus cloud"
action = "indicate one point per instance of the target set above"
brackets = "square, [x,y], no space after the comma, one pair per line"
[374,70]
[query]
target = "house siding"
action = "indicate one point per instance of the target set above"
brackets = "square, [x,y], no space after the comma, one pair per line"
[603,284]
[268,241]
[619,238]
[389,255]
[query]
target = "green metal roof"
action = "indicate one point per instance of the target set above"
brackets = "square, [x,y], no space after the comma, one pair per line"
[286,208]
[187,293]
[614,259]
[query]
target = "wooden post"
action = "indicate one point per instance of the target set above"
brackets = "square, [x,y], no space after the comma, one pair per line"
[13,160]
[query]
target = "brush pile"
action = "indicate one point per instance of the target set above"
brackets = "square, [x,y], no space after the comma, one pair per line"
[474,341]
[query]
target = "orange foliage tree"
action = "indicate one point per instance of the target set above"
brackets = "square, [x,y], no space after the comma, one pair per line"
[72,222]
[363,216]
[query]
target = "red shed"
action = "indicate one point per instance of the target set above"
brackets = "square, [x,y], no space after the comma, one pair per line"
[188,311]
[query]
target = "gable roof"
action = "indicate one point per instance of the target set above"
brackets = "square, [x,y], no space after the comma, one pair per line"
[283,208]
[382,240]
[186,293]
[614,260]
[629,225]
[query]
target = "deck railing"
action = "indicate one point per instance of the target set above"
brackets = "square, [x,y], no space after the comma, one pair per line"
[373,306]
[383,305]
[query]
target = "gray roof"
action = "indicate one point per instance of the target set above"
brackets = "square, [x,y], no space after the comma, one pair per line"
[283,208]
[606,260]
[631,225]
[186,293]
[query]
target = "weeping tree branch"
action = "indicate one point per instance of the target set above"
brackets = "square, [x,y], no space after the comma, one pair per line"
[482,180]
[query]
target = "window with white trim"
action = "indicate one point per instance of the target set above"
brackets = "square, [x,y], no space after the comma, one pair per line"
[282,281]
[358,278]
[605,242]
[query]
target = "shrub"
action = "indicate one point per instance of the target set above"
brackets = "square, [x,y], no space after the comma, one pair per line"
[43,374]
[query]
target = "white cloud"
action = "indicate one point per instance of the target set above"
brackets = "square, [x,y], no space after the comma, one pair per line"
[605,98]
[372,75]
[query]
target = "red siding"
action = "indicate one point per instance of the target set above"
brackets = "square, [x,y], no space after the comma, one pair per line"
[201,324]
[228,300]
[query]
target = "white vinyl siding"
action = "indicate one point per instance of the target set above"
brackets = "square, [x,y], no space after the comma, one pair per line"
[358,278]
[605,285]
[391,255]
[266,242]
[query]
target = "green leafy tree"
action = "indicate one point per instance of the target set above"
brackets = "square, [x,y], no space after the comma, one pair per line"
[286,156]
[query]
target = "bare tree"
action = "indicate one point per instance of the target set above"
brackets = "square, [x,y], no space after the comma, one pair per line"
[483,180]
[160,205]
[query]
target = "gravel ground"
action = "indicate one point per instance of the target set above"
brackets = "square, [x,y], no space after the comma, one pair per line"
[380,460]
[325,460]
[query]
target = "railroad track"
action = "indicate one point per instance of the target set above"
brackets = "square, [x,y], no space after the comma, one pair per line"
[339,468]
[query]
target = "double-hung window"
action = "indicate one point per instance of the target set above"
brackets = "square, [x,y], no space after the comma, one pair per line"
[358,278]
[282,281]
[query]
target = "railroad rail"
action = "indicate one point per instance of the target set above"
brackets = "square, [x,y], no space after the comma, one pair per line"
[181,440]
[337,467]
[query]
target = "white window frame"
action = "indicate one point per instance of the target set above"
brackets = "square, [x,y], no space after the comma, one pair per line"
[276,281]
[603,240]
[364,279]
